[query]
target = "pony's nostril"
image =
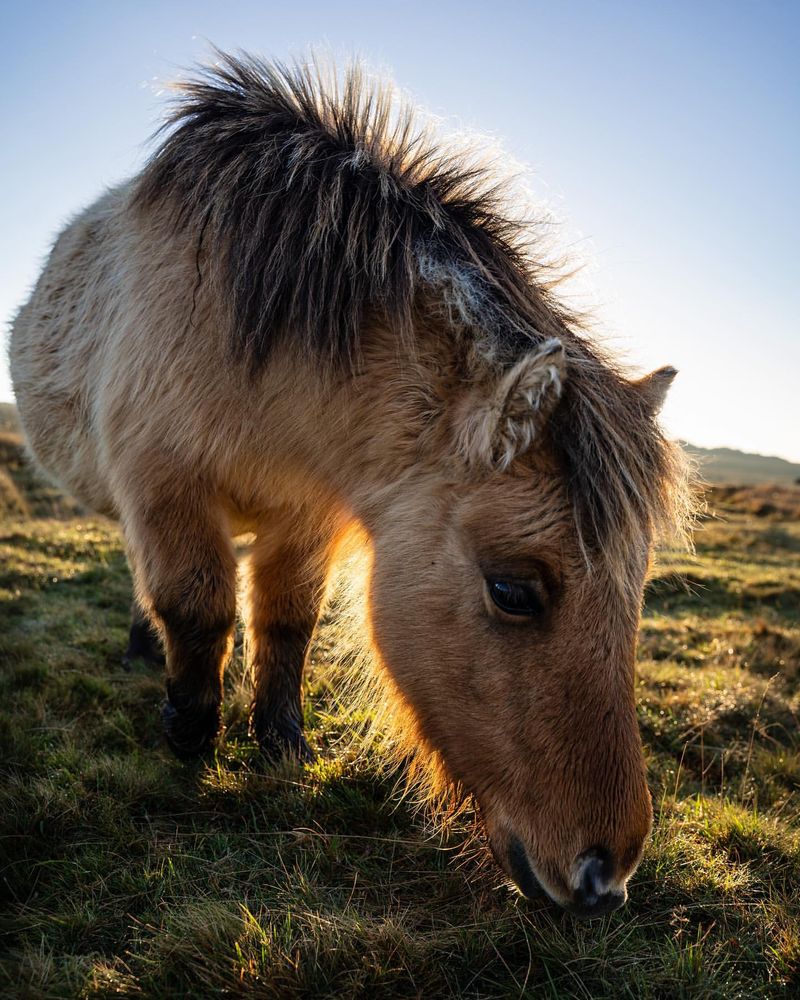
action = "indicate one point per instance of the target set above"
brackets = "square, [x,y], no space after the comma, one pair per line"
[593,868]
[594,894]
[592,882]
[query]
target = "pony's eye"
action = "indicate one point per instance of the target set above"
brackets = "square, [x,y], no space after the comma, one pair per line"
[515,597]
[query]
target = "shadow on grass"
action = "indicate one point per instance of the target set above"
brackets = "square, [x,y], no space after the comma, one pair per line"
[706,593]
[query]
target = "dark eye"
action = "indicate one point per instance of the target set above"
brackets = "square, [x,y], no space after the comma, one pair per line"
[515,597]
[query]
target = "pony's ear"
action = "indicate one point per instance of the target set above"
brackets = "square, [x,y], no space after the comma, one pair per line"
[653,387]
[506,418]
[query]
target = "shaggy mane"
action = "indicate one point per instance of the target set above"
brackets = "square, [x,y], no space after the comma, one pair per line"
[322,200]
[328,198]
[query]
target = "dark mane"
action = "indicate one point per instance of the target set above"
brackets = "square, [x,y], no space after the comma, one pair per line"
[327,198]
[323,200]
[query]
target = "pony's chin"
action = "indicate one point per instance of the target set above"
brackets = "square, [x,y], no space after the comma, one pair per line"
[511,855]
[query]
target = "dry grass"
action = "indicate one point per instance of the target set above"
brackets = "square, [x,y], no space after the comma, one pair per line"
[128,873]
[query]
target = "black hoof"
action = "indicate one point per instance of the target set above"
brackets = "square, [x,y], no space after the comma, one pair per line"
[190,733]
[279,738]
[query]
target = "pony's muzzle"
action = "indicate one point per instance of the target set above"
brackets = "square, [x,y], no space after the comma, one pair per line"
[594,891]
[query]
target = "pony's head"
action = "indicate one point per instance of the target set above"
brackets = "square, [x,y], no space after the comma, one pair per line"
[508,625]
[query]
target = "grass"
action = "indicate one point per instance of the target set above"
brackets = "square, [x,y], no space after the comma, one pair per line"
[127,873]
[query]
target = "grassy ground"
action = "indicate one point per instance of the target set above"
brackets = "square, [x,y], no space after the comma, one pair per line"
[125,872]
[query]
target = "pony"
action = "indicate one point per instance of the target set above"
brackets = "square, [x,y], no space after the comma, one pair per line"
[310,312]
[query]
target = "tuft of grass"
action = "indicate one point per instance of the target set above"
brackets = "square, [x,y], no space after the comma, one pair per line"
[125,872]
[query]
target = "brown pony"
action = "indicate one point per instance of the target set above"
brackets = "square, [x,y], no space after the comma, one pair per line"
[307,313]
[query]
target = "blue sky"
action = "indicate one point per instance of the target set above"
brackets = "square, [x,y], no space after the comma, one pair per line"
[664,136]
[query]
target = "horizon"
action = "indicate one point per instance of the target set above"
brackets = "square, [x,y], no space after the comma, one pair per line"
[661,140]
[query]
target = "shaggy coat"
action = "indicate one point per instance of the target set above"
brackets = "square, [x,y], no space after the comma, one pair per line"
[309,313]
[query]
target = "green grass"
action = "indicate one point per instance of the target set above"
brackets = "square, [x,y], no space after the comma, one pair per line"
[127,873]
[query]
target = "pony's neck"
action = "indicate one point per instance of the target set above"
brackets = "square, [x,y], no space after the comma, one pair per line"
[384,427]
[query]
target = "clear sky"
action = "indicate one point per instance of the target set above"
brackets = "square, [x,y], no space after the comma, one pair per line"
[664,136]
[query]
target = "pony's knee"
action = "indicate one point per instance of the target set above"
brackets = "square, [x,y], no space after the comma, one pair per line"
[195,624]
[196,613]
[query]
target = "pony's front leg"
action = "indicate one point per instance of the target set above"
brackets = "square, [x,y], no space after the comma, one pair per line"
[186,580]
[285,593]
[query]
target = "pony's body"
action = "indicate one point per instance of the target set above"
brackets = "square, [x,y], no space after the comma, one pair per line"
[131,393]
[298,318]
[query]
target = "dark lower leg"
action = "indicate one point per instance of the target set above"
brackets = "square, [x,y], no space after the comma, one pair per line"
[285,594]
[186,574]
[277,709]
[144,641]
[197,651]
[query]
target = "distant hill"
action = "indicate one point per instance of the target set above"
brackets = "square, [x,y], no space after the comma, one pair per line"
[727,465]
[717,465]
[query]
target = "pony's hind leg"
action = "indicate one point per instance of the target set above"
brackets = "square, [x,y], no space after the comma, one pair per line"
[186,577]
[285,592]
[144,642]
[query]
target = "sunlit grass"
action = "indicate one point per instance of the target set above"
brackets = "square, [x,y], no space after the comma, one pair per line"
[128,873]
